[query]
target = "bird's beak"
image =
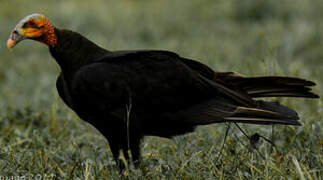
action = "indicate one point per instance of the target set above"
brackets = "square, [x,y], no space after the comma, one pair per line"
[11,43]
[14,39]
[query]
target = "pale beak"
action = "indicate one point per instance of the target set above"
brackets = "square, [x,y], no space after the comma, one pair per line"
[14,39]
[11,43]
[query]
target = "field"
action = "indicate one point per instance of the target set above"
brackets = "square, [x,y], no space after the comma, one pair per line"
[41,138]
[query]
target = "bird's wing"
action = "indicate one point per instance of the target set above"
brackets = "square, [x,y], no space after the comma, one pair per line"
[158,81]
[161,87]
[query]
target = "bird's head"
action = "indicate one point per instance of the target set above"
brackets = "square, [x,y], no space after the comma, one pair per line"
[35,26]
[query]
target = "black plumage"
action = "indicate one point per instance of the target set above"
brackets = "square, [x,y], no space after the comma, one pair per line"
[127,95]
[160,93]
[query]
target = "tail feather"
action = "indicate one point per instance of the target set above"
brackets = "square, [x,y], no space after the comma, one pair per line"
[236,103]
[282,92]
[270,86]
[274,80]
[276,87]
[217,111]
[262,121]
[265,113]
[286,94]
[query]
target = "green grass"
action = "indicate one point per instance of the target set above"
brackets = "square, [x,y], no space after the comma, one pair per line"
[40,136]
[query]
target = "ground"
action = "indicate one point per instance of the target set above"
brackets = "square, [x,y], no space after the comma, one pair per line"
[41,138]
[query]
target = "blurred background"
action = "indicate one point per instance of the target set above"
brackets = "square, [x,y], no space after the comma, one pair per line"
[253,38]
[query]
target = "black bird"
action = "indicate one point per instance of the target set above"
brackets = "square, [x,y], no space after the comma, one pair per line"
[130,94]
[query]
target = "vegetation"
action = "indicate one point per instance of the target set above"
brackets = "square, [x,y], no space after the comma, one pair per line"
[41,137]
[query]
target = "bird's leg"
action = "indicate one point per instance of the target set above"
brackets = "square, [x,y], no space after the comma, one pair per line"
[118,143]
[134,146]
[116,134]
[116,155]
[135,150]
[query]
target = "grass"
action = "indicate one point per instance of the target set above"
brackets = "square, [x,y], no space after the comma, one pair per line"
[41,137]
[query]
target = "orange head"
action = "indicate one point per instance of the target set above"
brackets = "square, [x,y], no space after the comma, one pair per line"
[36,27]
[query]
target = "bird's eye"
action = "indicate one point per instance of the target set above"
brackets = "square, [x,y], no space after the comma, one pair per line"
[31,23]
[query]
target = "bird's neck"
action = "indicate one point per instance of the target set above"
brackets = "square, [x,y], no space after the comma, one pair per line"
[73,51]
[49,37]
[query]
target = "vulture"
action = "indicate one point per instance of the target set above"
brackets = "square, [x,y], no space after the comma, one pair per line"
[127,95]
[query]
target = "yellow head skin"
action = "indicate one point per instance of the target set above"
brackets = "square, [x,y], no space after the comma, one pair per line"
[34,26]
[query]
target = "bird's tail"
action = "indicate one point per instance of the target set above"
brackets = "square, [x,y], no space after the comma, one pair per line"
[265,113]
[222,110]
[270,86]
[234,105]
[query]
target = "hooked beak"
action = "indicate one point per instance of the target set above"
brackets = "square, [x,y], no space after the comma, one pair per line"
[11,43]
[14,39]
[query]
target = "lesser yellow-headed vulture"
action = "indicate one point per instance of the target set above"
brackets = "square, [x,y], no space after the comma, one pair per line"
[130,94]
